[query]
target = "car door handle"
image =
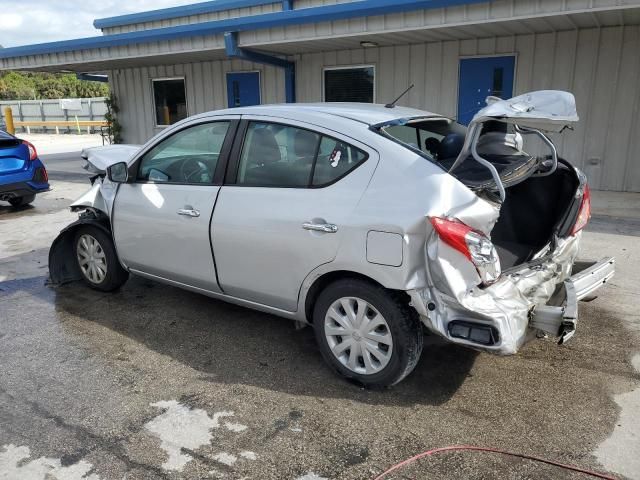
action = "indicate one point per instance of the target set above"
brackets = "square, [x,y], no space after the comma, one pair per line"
[189,212]
[320,227]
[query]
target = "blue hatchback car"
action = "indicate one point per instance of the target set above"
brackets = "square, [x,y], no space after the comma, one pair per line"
[22,173]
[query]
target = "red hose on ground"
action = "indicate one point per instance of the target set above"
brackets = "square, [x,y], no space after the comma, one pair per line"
[492,450]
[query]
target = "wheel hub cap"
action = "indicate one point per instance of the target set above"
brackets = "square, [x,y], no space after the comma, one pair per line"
[91,259]
[358,335]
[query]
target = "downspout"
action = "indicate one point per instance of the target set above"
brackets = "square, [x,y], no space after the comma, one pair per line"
[234,51]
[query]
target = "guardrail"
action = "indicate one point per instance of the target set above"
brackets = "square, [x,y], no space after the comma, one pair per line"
[57,124]
[25,112]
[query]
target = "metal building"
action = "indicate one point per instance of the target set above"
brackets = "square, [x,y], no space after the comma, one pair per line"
[166,64]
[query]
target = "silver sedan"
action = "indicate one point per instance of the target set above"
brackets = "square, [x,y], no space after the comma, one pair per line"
[368,222]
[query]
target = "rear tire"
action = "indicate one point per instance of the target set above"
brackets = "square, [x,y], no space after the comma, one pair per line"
[97,260]
[366,333]
[22,201]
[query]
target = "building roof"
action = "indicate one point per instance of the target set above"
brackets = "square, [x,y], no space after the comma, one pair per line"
[177,12]
[341,11]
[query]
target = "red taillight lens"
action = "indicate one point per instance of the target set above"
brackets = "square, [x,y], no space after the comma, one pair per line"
[33,154]
[472,244]
[585,211]
[453,233]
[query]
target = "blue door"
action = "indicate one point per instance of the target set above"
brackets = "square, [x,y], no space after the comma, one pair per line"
[481,78]
[243,89]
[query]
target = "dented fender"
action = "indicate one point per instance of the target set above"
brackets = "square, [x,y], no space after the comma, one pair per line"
[99,197]
[63,267]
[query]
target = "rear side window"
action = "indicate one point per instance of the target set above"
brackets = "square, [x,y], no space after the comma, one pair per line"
[335,160]
[276,155]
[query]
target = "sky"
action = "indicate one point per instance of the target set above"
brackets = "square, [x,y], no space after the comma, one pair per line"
[24,22]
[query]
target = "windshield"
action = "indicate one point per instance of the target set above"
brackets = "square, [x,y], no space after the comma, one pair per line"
[438,139]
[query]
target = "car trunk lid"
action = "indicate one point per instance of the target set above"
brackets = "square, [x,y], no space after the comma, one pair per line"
[13,154]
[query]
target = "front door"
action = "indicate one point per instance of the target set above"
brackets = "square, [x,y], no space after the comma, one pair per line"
[481,78]
[161,220]
[243,89]
[285,209]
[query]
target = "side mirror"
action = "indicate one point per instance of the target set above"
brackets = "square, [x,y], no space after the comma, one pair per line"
[118,172]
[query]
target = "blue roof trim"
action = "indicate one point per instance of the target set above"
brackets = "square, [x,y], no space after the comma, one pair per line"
[341,11]
[176,12]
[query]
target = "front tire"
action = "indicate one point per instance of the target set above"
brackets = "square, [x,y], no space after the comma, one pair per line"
[366,333]
[22,201]
[97,260]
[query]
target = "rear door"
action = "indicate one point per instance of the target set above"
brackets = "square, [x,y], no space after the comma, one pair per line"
[285,208]
[161,221]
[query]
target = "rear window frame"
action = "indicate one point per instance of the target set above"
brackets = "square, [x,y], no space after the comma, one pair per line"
[380,130]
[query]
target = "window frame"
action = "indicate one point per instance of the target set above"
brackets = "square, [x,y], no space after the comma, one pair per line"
[350,67]
[153,98]
[218,175]
[233,167]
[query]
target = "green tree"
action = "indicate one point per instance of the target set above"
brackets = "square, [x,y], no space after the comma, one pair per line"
[31,85]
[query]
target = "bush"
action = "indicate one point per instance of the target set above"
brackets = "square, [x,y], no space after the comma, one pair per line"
[39,86]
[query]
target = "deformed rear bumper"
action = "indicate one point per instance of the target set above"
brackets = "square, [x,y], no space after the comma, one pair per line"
[560,316]
[502,317]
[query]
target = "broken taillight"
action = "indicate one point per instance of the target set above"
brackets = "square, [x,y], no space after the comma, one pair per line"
[585,211]
[472,244]
[33,154]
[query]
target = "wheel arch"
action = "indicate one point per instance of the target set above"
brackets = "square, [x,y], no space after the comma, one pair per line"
[62,267]
[325,279]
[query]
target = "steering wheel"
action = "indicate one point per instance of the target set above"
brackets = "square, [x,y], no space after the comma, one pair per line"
[191,167]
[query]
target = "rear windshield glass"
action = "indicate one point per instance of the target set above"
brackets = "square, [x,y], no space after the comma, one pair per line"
[438,139]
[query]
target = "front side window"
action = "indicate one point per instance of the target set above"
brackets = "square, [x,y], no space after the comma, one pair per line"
[349,84]
[169,100]
[275,155]
[188,156]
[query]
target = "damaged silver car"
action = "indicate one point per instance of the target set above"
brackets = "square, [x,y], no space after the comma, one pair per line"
[366,221]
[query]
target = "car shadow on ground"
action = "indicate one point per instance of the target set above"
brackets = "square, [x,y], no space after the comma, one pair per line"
[7,208]
[235,345]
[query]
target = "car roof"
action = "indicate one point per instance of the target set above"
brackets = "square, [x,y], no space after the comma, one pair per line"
[367,113]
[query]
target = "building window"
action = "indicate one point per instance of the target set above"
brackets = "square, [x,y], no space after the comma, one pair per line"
[170,100]
[351,84]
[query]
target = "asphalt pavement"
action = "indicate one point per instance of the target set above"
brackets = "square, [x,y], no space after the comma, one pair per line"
[155,382]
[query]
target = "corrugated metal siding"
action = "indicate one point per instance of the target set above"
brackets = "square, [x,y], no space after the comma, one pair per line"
[600,66]
[205,84]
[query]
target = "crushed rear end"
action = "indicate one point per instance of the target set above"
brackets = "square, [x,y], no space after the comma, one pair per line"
[503,271]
